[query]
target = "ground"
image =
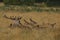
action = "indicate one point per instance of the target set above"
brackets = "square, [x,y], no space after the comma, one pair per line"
[42,18]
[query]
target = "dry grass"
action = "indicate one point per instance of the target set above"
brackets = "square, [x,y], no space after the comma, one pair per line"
[42,18]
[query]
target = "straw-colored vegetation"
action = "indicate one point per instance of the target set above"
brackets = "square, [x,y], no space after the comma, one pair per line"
[48,21]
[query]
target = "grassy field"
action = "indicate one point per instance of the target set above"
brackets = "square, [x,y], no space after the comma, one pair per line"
[44,19]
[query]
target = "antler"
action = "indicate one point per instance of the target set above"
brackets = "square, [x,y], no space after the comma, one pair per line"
[26,21]
[9,17]
[33,21]
[6,17]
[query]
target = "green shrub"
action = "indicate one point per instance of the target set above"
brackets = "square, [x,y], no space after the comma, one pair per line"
[6,1]
[19,2]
